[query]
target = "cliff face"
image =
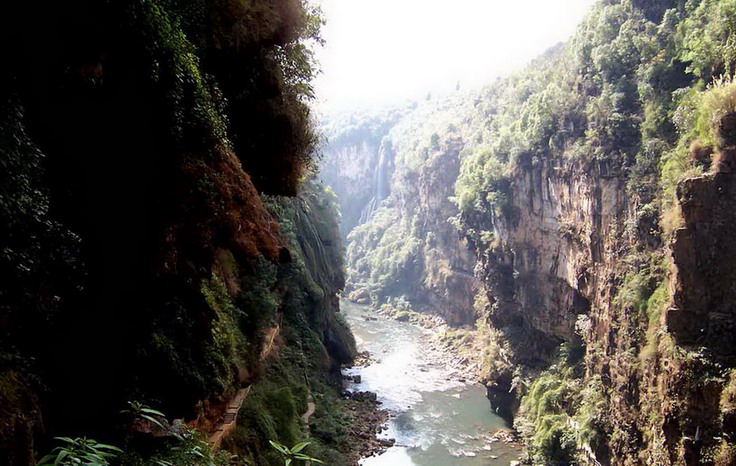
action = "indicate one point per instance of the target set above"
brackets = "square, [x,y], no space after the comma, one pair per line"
[406,254]
[556,252]
[552,277]
[657,354]
[144,262]
[309,285]
[703,314]
[701,320]
[360,175]
[448,282]
[611,292]
[358,162]
[667,371]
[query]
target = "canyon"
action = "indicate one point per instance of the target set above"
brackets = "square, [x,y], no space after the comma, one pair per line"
[175,252]
[569,218]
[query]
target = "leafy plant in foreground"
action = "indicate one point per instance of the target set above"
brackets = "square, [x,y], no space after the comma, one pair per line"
[192,450]
[80,451]
[293,453]
[140,412]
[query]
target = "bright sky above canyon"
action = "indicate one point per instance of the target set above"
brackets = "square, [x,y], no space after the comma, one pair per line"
[381,51]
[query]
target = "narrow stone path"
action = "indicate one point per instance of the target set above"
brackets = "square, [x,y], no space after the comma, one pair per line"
[230,417]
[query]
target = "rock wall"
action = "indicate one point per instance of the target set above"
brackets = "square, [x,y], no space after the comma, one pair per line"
[408,252]
[552,257]
[448,283]
[358,162]
[356,166]
[141,263]
[703,314]
[561,271]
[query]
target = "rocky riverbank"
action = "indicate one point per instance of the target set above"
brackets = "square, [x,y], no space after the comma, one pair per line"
[446,346]
[368,421]
[452,352]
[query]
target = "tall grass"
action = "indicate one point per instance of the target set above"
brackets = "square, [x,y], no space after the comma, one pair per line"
[697,118]
[718,100]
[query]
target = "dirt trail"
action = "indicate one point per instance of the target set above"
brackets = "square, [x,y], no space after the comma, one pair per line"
[308,413]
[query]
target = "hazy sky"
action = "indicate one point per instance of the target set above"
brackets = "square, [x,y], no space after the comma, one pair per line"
[381,51]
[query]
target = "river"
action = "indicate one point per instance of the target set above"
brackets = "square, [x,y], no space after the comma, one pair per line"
[437,420]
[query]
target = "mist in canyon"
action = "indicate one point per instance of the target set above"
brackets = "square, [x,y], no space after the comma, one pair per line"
[383,53]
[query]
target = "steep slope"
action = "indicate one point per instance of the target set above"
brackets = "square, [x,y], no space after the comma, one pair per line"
[141,262]
[581,206]
[299,298]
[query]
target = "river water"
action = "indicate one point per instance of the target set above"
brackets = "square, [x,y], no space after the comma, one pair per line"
[437,420]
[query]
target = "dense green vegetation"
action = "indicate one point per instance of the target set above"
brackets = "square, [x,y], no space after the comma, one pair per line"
[631,92]
[640,93]
[387,263]
[317,340]
[141,261]
[561,414]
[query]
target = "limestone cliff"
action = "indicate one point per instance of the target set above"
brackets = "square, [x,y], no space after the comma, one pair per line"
[564,233]
[407,254]
[358,162]
[569,265]
[612,294]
